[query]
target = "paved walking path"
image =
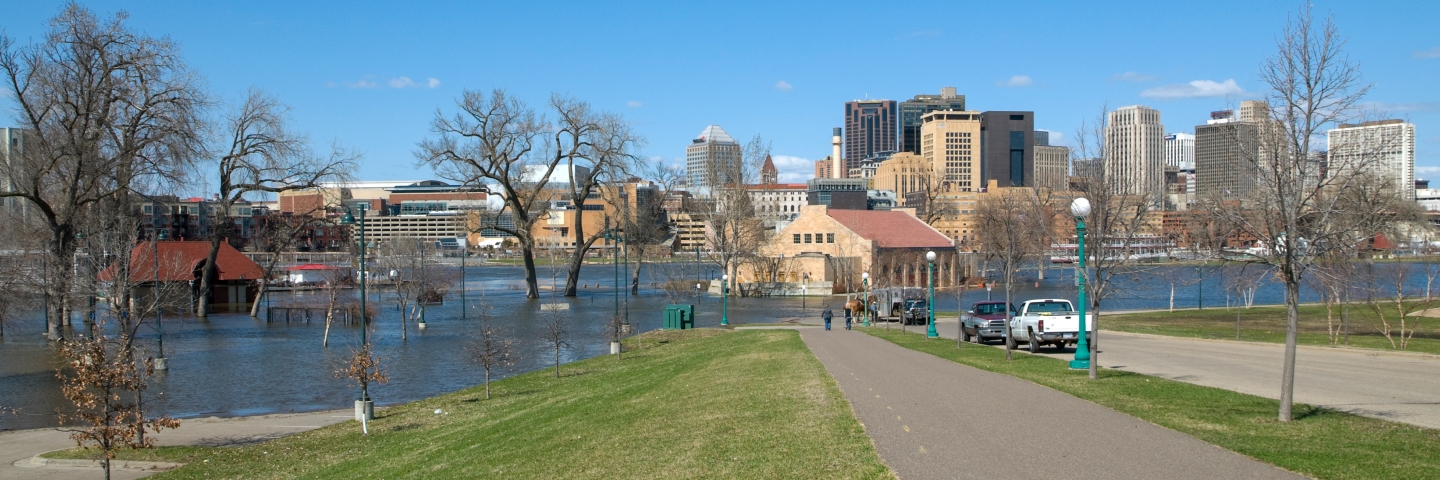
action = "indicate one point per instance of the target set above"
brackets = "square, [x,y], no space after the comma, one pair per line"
[19,446]
[934,418]
[1388,385]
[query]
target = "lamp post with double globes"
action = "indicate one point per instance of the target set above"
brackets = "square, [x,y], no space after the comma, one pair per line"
[1080,208]
[930,332]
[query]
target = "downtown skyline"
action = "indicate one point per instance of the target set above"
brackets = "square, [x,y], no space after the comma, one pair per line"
[370,77]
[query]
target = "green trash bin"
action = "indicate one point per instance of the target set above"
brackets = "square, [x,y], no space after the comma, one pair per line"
[679,317]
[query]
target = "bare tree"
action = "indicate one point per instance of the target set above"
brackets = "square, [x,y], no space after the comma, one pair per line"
[105,387]
[556,334]
[280,234]
[1306,202]
[263,156]
[735,233]
[1011,225]
[600,143]
[1393,304]
[106,111]
[1121,209]
[493,350]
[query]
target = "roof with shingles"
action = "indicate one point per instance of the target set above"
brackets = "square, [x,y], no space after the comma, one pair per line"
[890,229]
[180,260]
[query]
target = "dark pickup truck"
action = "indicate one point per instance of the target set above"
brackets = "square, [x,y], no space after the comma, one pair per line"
[984,321]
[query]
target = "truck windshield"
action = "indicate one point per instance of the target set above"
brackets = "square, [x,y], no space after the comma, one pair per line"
[990,309]
[1048,307]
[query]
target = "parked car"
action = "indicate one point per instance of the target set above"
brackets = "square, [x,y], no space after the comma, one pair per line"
[917,312]
[984,321]
[1048,322]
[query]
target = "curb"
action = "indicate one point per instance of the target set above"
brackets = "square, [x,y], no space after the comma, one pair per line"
[41,462]
[1318,348]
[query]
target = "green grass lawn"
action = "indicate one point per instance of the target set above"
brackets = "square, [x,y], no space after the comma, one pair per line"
[1318,443]
[697,403]
[1267,324]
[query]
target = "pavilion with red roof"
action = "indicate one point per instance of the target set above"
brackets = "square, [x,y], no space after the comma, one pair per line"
[183,262]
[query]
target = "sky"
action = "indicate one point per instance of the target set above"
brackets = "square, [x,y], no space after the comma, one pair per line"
[371,76]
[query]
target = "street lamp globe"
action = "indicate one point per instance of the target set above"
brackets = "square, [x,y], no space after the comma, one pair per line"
[1080,207]
[865,276]
[930,256]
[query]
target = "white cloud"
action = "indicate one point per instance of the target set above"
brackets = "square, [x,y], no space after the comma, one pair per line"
[329,84]
[1433,52]
[1016,81]
[1427,171]
[406,82]
[363,83]
[633,104]
[1133,77]
[783,86]
[793,169]
[1195,89]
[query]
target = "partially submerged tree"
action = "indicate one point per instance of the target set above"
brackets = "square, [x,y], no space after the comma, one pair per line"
[106,111]
[261,156]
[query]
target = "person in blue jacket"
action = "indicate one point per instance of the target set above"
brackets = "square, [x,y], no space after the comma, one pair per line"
[827,316]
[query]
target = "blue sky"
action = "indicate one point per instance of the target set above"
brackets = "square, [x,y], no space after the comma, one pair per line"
[370,75]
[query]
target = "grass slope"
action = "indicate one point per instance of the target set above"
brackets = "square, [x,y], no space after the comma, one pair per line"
[706,403]
[1267,324]
[1319,443]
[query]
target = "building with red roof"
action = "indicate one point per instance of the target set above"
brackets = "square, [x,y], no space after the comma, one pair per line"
[182,262]
[827,248]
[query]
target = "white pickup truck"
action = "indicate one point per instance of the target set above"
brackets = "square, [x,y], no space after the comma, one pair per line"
[1048,322]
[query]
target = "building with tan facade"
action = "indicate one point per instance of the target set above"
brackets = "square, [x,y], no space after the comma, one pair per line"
[950,143]
[831,248]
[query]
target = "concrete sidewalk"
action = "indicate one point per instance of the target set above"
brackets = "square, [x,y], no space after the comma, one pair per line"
[934,418]
[19,446]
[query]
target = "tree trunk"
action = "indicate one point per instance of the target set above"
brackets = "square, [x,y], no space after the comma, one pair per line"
[329,315]
[635,279]
[572,275]
[202,301]
[532,285]
[487,384]
[259,295]
[1009,329]
[1292,321]
[1094,342]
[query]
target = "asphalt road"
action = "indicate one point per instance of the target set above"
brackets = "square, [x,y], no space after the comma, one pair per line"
[933,418]
[20,445]
[1395,386]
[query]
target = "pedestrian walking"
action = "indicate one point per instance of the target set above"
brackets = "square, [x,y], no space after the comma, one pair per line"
[847,318]
[826,315]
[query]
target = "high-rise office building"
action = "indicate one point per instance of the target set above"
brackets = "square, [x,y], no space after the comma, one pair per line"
[913,109]
[823,168]
[12,145]
[1135,151]
[870,127]
[1008,146]
[1226,151]
[1386,147]
[950,145]
[1052,167]
[1180,151]
[713,148]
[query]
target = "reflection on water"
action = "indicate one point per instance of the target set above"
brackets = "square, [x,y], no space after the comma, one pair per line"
[235,365]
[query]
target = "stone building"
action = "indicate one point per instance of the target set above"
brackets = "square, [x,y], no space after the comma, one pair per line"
[826,248]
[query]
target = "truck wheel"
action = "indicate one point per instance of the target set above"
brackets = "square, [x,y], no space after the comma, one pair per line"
[1034,345]
[979,340]
[964,335]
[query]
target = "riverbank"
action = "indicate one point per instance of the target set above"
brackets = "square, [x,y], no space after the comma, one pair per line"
[708,402]
[1319,443]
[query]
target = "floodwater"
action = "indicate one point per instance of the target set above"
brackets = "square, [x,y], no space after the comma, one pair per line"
[233,365]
